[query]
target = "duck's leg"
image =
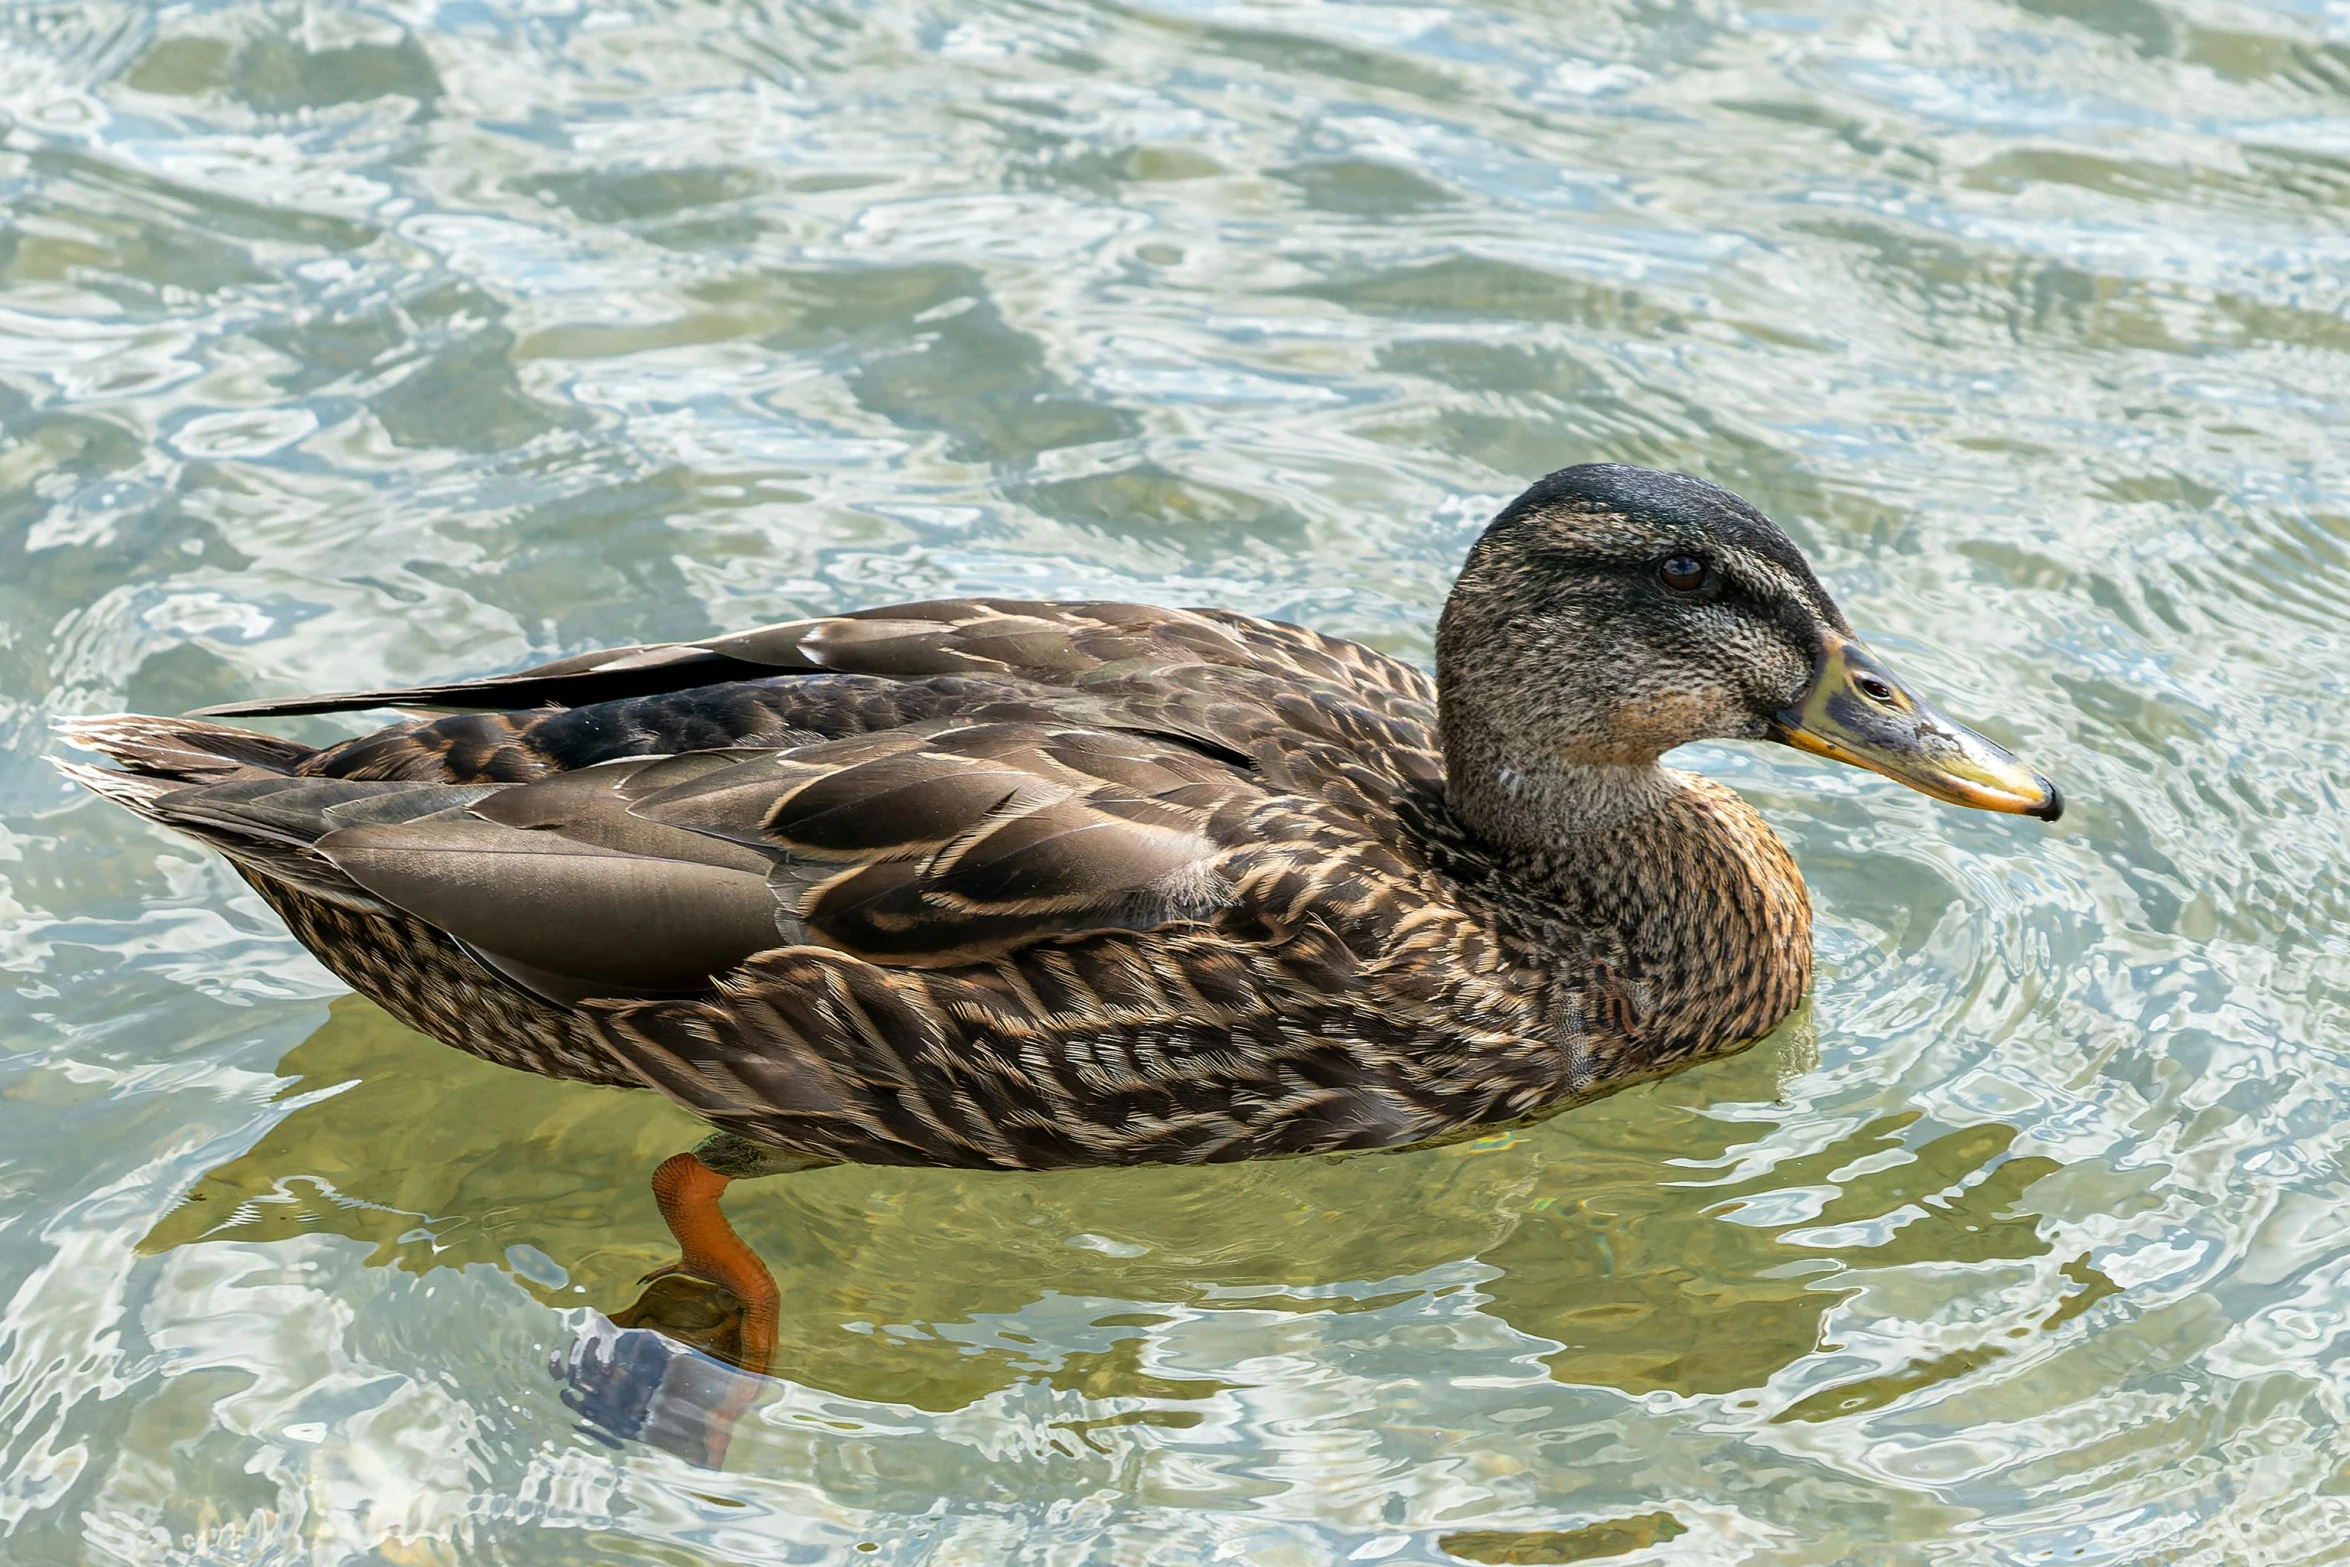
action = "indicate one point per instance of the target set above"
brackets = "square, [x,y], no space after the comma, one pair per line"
[688,1188]
[718,1298]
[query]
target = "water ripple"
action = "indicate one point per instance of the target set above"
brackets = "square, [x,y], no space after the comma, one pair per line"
[370,343]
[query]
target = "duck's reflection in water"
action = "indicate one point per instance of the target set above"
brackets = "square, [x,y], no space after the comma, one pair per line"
[1617,1231]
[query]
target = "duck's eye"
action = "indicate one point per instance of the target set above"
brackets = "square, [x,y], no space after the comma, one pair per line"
[1685,573]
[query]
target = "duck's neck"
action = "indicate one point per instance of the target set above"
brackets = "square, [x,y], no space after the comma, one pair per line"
[1672,915]
[1542,806]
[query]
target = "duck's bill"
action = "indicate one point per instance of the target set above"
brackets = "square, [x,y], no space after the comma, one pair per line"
[1858,711]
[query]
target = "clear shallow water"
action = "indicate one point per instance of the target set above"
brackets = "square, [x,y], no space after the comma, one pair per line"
[342,345]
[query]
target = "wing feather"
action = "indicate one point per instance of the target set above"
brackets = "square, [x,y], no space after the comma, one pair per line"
[611,920]
[938,845]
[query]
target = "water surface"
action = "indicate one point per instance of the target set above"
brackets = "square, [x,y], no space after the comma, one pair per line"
[348,345]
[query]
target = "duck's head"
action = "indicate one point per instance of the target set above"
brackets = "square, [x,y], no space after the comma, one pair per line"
[1612,613]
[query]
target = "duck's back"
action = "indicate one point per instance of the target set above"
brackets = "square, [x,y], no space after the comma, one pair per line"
[1303,710]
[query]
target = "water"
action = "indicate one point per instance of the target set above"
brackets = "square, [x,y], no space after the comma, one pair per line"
[348,345]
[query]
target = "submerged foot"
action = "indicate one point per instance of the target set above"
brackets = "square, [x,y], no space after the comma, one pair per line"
[734,1321]
[717,1299]
[691,1311]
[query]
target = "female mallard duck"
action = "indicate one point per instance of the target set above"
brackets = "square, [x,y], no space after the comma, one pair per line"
[1018,886]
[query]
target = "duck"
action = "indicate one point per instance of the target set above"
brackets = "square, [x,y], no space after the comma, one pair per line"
[1017,885]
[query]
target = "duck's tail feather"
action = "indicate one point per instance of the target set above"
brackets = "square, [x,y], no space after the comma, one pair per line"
[180,751]
[233,789]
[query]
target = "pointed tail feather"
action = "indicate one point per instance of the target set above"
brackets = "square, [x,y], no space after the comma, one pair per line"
[132,791]
[184,750]
[192,776]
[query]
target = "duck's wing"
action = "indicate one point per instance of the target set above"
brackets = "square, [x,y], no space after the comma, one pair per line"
[1029,641]
[938,846]
[925,846]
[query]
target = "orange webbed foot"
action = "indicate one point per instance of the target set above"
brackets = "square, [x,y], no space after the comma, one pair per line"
[717,1298]
[739,1328]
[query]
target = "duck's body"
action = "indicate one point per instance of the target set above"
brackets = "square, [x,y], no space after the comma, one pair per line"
[1026,885]
[1031,885]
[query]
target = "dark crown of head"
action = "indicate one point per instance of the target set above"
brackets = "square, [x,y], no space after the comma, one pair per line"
[1676,503]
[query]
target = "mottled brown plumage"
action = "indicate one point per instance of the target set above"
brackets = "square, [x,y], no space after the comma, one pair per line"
[1025,885]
